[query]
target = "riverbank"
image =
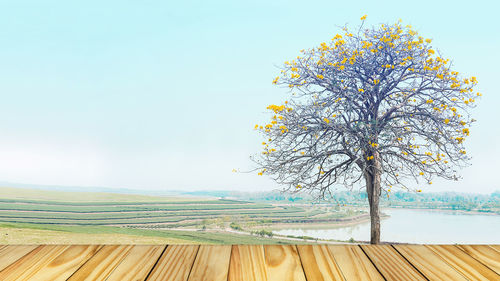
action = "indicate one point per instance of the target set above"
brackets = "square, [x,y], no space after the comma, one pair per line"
[338,223]
[457,212]
[415,226]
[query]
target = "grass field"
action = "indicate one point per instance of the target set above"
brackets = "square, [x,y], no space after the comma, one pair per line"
[29,234]
[18,235]
[120,217]
[51,195]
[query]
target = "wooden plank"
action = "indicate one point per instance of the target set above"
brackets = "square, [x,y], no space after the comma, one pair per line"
[428,263]
[137,264]
[496,247]
[318,263]
[283,263]
[485,254]
[247,263]
[354,264]
[175,264]
[463,263]
[10,254]
[100,266]
[390,263]
[211,263]
[67,262]
[250,262]
[27,266]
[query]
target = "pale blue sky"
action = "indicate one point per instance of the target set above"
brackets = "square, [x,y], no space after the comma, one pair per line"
[155,95]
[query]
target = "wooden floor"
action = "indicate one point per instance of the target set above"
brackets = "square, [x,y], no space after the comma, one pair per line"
[255,262]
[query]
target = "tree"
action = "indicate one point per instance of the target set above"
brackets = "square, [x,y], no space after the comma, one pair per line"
[379,108]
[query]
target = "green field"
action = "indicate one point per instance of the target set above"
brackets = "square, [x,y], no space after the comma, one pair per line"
[169,236]
[200,220]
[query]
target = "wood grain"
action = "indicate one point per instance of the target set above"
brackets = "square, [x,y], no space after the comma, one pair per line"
[137,264]
[283,263]
[67,262]
[390,263]
[463,263]
[484,254]
[354,264]
[211,263]
[250,262]
[175,264]
[27,266]
[428,263]
[100,266]
[247,263]
[10,254]
[496,247]
[319,263]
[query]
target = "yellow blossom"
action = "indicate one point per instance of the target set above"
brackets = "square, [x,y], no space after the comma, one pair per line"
[276,108]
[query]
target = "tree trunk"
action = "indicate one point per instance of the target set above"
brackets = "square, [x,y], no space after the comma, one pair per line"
[372,177]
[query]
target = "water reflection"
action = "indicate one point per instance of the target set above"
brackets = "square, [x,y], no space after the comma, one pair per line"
[417,226]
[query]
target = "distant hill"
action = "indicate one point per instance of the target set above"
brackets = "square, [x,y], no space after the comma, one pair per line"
[439,200]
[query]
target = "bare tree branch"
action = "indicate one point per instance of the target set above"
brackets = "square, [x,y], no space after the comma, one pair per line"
[381,92]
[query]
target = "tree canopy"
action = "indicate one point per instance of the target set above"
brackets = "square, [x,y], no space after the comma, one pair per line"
[373,100]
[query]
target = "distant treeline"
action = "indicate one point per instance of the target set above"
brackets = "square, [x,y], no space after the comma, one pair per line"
[434,200]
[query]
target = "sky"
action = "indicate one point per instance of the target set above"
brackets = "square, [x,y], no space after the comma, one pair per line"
[164,95]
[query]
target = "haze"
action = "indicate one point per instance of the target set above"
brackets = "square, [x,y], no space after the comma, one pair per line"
[159,95]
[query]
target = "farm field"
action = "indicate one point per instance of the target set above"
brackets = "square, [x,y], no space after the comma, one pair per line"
[180,219]
[20,233]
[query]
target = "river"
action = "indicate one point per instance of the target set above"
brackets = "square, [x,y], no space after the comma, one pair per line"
[417,226]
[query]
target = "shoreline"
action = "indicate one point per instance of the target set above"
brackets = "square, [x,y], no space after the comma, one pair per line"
[337,224]
[366,219]
[461,212]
